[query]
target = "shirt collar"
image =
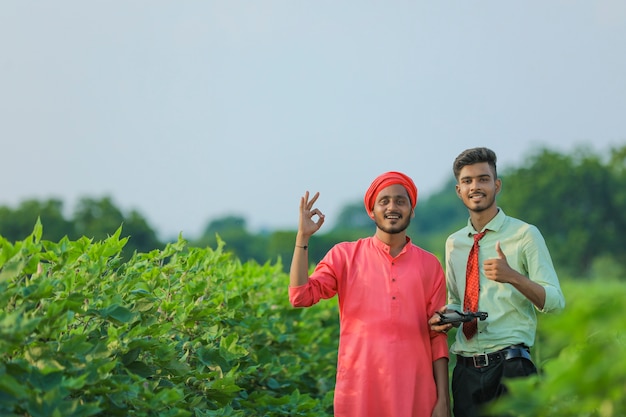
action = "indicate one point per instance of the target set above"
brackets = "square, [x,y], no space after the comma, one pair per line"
[494,224]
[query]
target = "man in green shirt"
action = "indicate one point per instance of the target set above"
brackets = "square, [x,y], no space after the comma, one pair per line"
[516,278]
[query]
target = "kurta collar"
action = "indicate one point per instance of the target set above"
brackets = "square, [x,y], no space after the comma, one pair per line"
[386,248]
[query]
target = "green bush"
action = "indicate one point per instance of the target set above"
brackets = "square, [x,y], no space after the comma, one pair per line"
[581,355]
[175,332]
[188,331]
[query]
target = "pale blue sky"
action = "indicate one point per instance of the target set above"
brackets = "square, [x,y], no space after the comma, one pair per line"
[192,110]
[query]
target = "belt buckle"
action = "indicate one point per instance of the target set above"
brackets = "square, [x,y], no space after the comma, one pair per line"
[481,360]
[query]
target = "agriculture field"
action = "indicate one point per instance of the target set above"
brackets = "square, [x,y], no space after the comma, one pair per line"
[190,331]
[581,353]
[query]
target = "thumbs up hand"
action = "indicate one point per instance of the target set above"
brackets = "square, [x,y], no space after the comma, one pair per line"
[498,269]
[501,254]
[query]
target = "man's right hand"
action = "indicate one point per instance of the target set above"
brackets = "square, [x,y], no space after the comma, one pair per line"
[307,226]
[298,272]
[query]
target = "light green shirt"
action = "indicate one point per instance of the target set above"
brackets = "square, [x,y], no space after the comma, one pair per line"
[512,317]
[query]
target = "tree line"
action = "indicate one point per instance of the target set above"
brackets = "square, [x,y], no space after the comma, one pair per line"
[576,199]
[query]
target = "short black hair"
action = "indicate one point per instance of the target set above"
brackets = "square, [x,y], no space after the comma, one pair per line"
[473,156]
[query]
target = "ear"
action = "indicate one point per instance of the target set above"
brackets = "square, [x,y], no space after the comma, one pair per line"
[457,188]
[412,213]
[371,214]
[498,185]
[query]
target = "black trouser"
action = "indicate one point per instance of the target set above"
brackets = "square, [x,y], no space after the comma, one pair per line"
[475,383]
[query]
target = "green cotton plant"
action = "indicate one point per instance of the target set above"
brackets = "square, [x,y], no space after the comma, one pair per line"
[181,331]
[581,358]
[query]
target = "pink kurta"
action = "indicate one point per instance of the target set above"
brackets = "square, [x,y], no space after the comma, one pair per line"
[386,348]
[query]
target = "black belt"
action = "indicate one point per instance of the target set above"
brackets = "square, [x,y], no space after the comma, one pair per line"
[485,359]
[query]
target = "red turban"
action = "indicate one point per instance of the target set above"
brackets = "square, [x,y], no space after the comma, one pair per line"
[384,181]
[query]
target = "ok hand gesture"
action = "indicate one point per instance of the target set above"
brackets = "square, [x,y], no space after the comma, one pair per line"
[307,226]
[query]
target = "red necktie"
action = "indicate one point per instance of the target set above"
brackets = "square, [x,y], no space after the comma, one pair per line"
[472,287]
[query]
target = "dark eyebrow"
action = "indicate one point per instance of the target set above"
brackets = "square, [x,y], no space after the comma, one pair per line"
[467,177]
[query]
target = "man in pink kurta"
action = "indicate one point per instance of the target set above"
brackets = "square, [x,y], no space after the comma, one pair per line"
[389,362]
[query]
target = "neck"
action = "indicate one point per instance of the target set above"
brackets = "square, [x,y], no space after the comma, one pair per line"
[480,219]
[396,241]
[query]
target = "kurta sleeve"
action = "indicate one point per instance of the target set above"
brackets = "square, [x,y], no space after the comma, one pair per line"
[438,340]
[322,283]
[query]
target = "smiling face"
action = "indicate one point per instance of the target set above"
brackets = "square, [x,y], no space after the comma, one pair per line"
[477,186]
[392,210]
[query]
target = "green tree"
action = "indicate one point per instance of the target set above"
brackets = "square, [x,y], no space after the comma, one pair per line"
[15,224]
[142,237]
[443,212]
[617,166]
[354,221]
[574,200]
[93,218]
[99,218]
[239,241]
